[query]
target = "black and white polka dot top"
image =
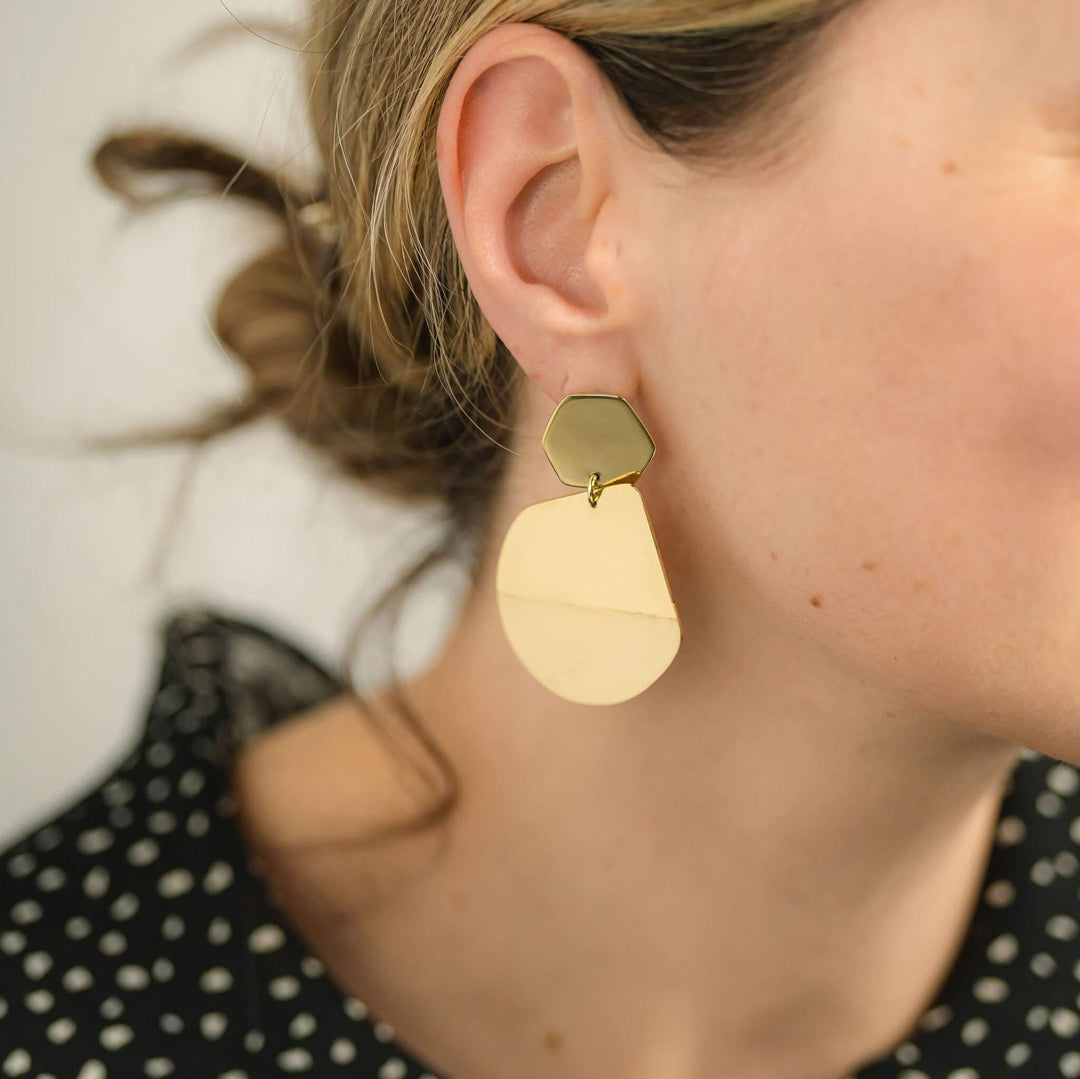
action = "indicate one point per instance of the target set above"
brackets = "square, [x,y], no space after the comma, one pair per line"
[138,939]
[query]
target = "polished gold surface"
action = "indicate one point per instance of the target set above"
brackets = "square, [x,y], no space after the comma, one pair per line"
[583,596]
[594,432]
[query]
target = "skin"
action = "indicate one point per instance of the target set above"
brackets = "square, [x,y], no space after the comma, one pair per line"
[861,373]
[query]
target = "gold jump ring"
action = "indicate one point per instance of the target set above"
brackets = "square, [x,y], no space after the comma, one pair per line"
[595,487]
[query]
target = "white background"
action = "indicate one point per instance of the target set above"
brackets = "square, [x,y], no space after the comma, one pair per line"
[105,327]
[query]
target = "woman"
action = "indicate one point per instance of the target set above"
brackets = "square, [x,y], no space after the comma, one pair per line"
[828,252]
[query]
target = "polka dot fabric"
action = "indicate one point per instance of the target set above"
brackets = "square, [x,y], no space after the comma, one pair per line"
[138,938]
[1010,1004]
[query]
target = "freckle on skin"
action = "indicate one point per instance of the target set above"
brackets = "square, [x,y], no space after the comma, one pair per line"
[815,600]
[553,1041]
[948,167]
[869,565]
[773,555]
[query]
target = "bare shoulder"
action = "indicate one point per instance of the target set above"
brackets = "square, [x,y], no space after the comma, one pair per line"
[317,776]
[311,792]
[314,795]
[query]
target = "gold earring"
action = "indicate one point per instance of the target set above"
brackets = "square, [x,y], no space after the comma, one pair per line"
[582,593]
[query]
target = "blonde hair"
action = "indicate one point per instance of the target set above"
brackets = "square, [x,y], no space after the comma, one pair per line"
[373,350]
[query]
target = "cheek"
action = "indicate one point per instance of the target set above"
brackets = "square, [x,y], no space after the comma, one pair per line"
[898,464]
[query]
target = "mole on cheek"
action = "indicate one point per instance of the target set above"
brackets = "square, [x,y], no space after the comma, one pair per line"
[815,601]
[553,1041]
[869,565]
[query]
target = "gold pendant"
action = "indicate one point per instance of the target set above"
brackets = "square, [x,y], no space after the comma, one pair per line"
[582,592]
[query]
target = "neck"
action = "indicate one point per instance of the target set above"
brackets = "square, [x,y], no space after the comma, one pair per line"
[787,845]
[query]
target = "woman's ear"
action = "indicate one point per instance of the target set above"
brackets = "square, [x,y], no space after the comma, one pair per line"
[528,147]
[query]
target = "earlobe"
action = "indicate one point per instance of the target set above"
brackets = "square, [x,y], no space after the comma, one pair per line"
[524,196]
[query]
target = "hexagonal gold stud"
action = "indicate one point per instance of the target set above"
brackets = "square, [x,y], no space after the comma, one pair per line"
[595,432]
